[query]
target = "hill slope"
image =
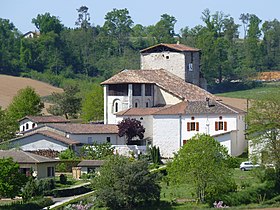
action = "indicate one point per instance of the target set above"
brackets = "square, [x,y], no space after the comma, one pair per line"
[9,86]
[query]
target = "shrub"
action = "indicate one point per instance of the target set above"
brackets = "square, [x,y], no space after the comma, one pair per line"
[62,179]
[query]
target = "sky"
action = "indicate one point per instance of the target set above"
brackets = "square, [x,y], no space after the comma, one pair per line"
[145,12]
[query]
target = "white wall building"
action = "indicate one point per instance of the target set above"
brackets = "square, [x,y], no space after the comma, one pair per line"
[171,109]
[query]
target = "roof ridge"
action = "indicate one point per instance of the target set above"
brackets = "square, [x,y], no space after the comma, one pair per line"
[29,155]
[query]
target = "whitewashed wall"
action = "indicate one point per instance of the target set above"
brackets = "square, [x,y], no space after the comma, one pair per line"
[25,122]
[99,138]
[167,135]
[166,130]
[172,61]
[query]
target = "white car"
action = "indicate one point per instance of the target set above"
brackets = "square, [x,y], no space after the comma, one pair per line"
[247,165]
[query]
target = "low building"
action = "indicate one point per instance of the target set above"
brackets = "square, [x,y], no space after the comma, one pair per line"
[39,166]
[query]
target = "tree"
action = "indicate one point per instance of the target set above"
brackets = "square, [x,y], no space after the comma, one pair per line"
[26,102]
[67,103]
[10,45]
[118,26]
[163,31]
[125,184]
[264,128]
[7,128]
[46,23]
[92,105]
[11,180]
[130,128]
[202,163]
[83,17]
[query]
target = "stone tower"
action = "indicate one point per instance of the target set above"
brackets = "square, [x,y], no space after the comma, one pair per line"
[178,59]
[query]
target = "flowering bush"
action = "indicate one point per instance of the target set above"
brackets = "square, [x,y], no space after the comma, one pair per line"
[219,205]
[79,206]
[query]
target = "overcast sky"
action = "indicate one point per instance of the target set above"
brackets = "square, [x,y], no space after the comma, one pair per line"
[146,12]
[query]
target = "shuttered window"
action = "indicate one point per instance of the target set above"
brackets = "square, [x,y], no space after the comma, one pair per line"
[220,126]
[193,126]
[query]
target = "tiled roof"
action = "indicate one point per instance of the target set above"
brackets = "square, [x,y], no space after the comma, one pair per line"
[177,47]
[139,111]
[91,163]
[25,157]
[85,128]
[162,79]
[199,107]
[46,119]
[49,134]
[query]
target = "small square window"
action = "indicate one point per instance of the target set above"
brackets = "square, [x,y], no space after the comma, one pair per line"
[108,139]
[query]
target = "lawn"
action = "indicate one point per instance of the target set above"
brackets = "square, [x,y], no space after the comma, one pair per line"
[267,88]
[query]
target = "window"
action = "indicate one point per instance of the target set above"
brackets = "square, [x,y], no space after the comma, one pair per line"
[27,126]
[136,90]
[167,57]
[50,171]
[118,90]
[33,125]
[108,139]
[220,125]
[136,105]
[184,141]
[193,126]
[116,107]
[190,67]
[147,104]
[148,90]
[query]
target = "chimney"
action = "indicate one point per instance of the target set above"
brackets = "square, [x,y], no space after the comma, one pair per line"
[208,103]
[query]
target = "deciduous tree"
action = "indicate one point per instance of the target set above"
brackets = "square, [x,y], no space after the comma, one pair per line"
[264,128]
[46,23]
[11,180]
[202,163]
[26,102]
[66,103]
[92,105]
[125,184]
[130,128]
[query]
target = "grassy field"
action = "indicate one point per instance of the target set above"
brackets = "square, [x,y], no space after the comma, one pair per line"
[267,88]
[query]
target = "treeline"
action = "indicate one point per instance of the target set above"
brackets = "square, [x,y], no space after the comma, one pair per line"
[100,51]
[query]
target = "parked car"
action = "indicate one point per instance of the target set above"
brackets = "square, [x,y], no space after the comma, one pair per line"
[247,165]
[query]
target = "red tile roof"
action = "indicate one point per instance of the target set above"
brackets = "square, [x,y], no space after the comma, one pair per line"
[199,107]
[139,111]
[46,119]
[177,47]
[85,128]
[163,79]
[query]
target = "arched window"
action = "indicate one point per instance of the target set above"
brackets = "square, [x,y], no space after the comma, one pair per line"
[136,104]
[116,107]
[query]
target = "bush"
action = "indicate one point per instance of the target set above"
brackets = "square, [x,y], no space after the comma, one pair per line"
[62,179]
[255,194]
[71,191]
[125,184]
[66,165]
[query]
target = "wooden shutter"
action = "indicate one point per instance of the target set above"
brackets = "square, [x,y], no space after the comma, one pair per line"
[197,126]
[184,141]
[188,126]
[216,126]
[225,126]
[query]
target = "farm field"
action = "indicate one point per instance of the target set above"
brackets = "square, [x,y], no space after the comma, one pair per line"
[267,88]
[9,86]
